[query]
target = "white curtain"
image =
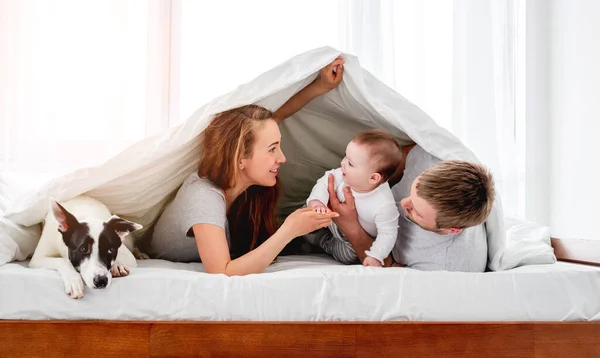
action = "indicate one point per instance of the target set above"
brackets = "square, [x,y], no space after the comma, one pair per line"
[487,75]
[82,80]
[408,45]
[75,82]
[458,61]
[229,42]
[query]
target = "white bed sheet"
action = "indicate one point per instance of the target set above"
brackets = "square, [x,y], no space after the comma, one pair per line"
[310,288]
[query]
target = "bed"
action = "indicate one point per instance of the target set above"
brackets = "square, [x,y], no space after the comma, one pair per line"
[311,288]
[311,303]
[303,305]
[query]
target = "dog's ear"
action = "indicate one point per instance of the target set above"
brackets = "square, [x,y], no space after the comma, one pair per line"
[65,219]
[121,226]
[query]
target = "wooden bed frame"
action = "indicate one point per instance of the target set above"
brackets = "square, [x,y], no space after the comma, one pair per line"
[314,339]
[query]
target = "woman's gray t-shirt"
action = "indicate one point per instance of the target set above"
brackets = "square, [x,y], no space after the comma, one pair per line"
[198,201]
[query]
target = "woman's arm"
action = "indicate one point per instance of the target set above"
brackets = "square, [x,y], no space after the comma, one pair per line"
[214,250]
[329,77]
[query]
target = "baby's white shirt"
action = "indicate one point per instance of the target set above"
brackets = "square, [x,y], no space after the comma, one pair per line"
[377,211]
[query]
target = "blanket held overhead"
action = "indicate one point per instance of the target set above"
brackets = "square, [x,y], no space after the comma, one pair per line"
[140,180]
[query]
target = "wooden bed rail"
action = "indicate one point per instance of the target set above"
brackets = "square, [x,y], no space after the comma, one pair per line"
[583,251]
[145,339]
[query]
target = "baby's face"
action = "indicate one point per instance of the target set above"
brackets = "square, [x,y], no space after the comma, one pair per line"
[358,168]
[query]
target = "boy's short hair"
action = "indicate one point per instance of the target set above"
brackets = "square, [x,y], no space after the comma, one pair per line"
[384,149]
[462,193]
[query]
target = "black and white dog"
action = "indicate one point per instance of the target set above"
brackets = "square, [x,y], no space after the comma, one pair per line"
[85,243]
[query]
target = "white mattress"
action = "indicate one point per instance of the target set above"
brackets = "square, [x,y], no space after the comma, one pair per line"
[310,288]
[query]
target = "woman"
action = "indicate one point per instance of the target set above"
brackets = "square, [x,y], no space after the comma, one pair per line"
[224,215]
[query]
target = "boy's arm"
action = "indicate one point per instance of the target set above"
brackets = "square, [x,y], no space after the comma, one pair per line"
[348,220]
[386,221]
[327,80]
[319,191]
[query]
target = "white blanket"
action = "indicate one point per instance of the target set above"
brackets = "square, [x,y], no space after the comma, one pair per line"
[137,182]
[16,241]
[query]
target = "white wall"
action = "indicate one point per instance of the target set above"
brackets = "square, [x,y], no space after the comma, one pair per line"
[574,118]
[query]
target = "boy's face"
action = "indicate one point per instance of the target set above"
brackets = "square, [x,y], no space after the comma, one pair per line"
[418,210]
[422,213]
[358,169]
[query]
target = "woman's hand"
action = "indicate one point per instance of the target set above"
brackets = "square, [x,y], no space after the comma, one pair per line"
[305,220]
[330,76]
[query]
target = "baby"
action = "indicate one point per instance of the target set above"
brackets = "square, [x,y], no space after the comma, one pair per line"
[371,158]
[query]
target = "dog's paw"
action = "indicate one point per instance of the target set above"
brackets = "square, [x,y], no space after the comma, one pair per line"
[140,255]
[119,270]
[73,285]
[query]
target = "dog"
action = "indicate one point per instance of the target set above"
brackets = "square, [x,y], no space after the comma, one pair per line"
[85,244]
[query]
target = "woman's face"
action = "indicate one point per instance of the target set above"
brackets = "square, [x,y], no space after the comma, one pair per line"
[262,167]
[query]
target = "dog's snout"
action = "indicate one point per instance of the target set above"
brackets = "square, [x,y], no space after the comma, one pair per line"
[100,281]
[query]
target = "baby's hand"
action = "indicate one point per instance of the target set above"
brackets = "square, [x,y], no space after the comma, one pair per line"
[318,207]
[369,261]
